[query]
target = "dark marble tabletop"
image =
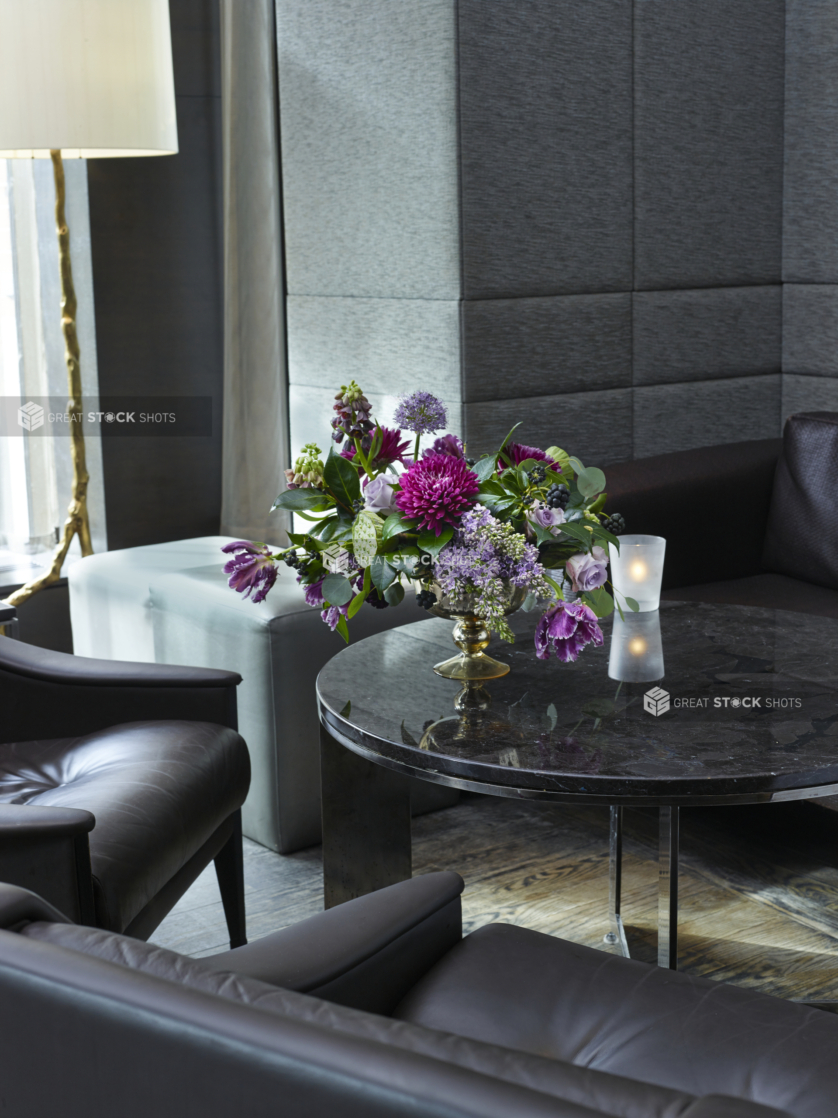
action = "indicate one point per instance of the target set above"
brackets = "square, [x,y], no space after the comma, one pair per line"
[752,711]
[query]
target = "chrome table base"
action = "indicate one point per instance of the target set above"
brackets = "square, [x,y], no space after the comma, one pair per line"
[669,820]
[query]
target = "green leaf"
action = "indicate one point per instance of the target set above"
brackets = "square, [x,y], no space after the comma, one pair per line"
[632,605]
[298,539]
[590,482]
[295,500]
[343,628]
[599,503]
[382,573]
[485,467]
[555,586]
[406,560]
[434,544]
[341,477]
[394,594]
[599,600]
[509,436]
[495,487]
[357,602]
[337,590]
[330,526]
[346,710]
[577,532]
[394,524]
[542,535]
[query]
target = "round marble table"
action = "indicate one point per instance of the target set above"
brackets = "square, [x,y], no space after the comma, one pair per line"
[743,711]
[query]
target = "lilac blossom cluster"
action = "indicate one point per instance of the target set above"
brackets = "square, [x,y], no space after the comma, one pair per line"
[483,556]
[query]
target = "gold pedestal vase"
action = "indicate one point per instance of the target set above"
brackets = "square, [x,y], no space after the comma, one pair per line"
[471,635]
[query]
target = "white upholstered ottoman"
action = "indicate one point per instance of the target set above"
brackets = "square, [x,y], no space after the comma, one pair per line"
[170,603]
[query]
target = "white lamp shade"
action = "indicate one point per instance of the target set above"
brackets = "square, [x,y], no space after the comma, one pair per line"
[92,78]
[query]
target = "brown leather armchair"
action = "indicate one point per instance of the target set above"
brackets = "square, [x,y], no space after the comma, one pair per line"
[378,1009]
[752,523]
[119,784]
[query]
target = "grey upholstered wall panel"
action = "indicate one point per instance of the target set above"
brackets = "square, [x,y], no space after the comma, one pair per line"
[810,329]
[808,394]
[368,125]
[810,218]
[708,142]
[706,333]
[389,346]
[539,347]
[705,413]
[545,104]
[596,426]
[311,409]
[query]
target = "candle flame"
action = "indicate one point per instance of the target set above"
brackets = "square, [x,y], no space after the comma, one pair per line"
[638,570]
[637,646]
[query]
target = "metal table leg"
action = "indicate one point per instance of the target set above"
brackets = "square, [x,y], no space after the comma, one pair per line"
[668,888]
[366,824]
[617,935]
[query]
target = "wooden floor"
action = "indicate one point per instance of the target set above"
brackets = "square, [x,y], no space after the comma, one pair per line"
[759,885]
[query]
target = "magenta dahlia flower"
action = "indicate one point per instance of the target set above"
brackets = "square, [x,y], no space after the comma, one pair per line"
[393,449]
[519,452]
[436,490]
[565,629]
[252,569]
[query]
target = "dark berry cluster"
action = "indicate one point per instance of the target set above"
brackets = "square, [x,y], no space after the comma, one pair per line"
[425,599]
[292,559]
[614,524]
[538,474]
[376,600]
[357,504]
[558,496]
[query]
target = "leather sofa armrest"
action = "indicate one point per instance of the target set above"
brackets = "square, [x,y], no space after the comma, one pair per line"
[366,953]
[46,694]
[45,850]
[723,1106]
[711,505]
[21,906]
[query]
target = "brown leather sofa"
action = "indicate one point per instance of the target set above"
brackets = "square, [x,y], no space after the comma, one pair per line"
[119,784]
[752,523]
[376,1009]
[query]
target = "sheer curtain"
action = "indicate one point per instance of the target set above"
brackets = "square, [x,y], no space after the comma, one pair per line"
[256,449]
[36,472]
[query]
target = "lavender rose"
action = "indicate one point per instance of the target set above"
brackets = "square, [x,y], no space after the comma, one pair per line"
[587,572]
[542,516]
[379,495]
[565,629]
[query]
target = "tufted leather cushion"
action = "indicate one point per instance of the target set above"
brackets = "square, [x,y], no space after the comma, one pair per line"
[525,990]
[158,791]
[802,536]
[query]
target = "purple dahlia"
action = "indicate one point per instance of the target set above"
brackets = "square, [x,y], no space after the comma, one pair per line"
[252,569]
[446,444]
[393,449]
[436,490]
[565,629]
[519,452]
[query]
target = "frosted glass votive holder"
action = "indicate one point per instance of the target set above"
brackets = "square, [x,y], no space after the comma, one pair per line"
[636,647]
[637,570]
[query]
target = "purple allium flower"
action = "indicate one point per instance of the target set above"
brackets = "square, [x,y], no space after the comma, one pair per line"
[446,444]
[314,594]
[518,453]
[252,569]
[379,494]
[545,517]
[587,572]
[393,448]
[565,629]
[420,413]
[436,490]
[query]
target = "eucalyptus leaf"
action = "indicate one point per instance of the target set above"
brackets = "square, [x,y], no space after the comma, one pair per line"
[632,605]
[434,544]
[394,594]
[337,590]
[590,481]
[553,715]
[600,601]
[382,573]
[341,478]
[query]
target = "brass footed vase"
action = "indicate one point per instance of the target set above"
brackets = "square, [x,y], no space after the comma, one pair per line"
[471,635]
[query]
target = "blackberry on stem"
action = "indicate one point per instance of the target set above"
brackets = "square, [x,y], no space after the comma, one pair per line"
[615,524]
[425,599]
[558,496]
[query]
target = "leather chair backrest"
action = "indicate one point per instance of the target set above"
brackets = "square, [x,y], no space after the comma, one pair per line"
[802,536]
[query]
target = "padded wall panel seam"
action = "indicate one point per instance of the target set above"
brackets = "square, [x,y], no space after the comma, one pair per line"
[810,329]
[708,142]
[545,137]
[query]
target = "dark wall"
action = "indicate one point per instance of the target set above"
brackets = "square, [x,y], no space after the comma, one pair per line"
[156,232]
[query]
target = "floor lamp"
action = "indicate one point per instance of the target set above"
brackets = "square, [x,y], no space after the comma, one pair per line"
[82,79]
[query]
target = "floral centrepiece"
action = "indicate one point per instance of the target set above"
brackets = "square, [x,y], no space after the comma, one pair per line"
[379,518]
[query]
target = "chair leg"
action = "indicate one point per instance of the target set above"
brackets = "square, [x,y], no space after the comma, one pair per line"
[229,868]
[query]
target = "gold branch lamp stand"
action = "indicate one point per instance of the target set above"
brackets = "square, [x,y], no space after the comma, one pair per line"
[87,80]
